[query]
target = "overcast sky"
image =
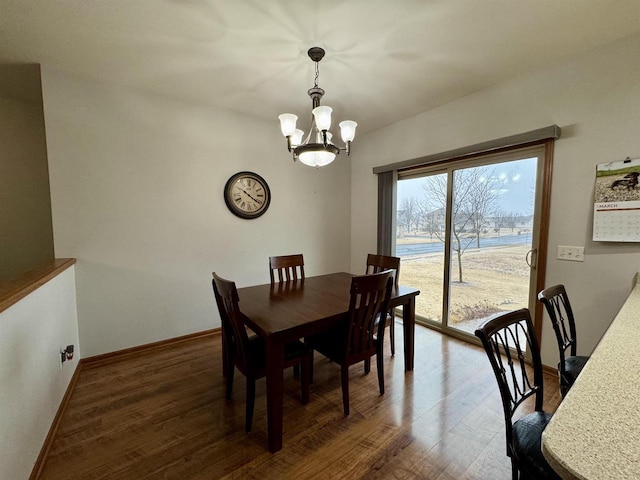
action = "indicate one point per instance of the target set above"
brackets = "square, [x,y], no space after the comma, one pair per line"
[517,180]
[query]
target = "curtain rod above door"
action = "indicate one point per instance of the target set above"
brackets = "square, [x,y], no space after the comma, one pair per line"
[540,134]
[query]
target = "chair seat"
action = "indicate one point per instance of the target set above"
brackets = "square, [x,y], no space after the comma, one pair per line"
[330,344]
[527,432]
[572,368]
[292,351]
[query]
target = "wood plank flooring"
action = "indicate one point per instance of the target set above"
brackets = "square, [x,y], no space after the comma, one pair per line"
[162,415]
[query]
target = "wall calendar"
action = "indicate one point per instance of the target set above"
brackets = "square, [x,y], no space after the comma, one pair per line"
[616,210]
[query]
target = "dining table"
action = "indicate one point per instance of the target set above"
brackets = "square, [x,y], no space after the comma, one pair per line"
[287,311]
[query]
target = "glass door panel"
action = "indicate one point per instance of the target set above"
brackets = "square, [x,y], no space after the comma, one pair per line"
[420,240]
[467,237]
[491,235]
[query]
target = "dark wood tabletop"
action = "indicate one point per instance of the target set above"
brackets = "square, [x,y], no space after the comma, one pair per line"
[289,311]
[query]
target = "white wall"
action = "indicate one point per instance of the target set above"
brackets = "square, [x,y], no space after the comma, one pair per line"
[32,385]
[595,99]
[136,188]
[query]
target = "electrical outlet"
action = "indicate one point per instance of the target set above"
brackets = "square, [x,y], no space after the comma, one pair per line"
[573,254]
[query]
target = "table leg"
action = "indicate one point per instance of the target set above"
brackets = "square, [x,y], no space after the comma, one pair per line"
[409,325]
[275,365]
[225,355]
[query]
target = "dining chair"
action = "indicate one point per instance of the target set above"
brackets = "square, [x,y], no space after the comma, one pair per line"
[287,267]
[379,263]
[506,339]
[359,336]
[558,307]
[248,353]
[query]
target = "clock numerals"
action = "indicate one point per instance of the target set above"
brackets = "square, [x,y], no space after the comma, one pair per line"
[247,195]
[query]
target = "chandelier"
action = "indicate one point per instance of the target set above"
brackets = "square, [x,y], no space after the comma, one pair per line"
[317,149]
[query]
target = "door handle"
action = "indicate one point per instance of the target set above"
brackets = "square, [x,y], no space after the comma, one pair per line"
[532,258]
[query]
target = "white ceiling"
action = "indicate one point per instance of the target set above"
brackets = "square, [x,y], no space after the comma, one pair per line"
[386,60]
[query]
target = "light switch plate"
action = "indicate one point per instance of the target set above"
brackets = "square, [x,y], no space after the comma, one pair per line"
[573,254]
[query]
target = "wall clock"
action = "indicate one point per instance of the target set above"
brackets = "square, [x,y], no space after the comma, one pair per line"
[247,195]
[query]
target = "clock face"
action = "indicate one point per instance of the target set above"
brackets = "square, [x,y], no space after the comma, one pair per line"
[247,195]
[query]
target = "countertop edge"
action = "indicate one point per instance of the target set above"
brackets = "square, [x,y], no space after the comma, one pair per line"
[555,463]
[593,429]
[15,290]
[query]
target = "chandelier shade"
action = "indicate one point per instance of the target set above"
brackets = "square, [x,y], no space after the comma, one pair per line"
[322,117]
[317,149]
[288,123]
[348,130]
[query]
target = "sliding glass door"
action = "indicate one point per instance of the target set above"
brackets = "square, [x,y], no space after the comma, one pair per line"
[467,232]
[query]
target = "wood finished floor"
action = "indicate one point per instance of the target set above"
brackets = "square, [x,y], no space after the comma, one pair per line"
[162,415]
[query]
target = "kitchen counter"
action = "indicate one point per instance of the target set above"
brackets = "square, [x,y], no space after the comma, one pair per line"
[15,290]
[595,433]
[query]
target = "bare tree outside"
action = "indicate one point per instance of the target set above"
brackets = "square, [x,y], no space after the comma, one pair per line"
[491,211]
[473,203]
[409,213]
[482,197]
[512,220]
[499,220]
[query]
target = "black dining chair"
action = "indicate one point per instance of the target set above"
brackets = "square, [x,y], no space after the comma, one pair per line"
[359,336]
[248,353]
[379,263]
[507,339]
[556,302]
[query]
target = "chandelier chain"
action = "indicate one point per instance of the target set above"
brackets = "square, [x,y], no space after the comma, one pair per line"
[315,82]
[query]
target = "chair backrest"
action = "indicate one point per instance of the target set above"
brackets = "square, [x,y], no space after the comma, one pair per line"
[288,267]
[369,296]
[232,318]
[506,339]
[556,302]
[379,263]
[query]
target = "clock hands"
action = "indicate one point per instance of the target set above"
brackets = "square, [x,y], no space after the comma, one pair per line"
[251,196]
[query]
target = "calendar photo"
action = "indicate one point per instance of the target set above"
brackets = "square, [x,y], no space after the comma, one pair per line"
[616,211]
[618,181]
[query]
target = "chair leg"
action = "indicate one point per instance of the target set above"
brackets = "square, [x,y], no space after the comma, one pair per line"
[229,375]
[311,367]
[380,365]
[367,366]
[251,400]
[564,387]
[225,360]
[392,332]
[344,374]
[514,469]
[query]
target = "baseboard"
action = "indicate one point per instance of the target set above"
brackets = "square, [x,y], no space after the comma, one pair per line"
[93,362]
[48,441]
[98,360]
[550,370]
